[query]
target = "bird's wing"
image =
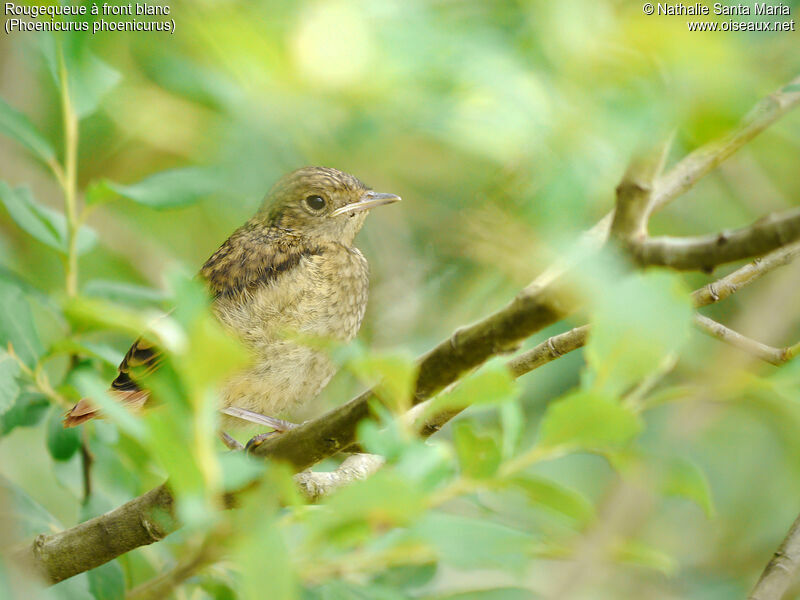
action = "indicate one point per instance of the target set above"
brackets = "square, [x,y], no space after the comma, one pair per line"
[249,257]
[141,359]
[253,256]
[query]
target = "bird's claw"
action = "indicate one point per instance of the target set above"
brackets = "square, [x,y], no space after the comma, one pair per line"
[259,439]
[229,442]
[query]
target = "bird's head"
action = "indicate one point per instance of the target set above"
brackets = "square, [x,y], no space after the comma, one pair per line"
[321,203]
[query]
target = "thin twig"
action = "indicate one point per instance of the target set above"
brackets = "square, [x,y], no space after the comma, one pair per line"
[774,356]
[733,282]
[781,569]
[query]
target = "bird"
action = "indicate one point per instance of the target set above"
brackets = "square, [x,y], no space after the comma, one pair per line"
[293,267]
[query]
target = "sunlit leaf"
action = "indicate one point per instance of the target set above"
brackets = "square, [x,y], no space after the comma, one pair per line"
[493,384]
[16,324]
[686,479]
[468,543]
[27,411]
[493,593]
[554,497]
[478,455]
[392,374]
[43,223]
[512,419]
[31,517]
[643,555]
[9,388]
[636,324]
[124,292]
[168,189]
[18,127]
[588,420]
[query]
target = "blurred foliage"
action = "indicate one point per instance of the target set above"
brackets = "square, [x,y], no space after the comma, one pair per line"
[505,126]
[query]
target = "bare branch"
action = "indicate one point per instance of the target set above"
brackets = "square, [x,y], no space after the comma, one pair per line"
[549,350]
[781,569]
[315,485]
[144,520]
[774,356]
[696,165]
[722,288]
[634,194]
[706,252]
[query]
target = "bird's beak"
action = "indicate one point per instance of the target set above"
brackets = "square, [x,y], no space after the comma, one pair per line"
[368,200]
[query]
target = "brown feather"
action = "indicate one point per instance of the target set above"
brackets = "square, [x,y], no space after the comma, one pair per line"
[85,410]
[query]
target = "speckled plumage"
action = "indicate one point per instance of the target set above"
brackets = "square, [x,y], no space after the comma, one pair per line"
[289,269]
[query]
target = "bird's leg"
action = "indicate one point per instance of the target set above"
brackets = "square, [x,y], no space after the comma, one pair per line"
[229,442]
[278,425]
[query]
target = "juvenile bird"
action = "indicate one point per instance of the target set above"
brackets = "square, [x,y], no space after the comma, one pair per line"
[291,267]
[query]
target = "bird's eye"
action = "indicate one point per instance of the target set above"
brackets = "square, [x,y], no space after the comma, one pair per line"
[315,202]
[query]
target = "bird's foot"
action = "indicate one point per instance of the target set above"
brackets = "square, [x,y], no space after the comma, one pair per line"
[255,441]
[229,442]
[278,425]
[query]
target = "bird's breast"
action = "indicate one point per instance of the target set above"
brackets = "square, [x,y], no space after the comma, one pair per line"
[323,295]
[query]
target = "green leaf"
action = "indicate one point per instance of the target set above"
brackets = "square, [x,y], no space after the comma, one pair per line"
[636,324]
[392,374]
[41,222]
[26,412]
[167,189]
[30,517]
[468,543]
[554,497]
[479,455]
[9,388]
[512,418]
[493,384]
[500,593]
[16,324]
[16,125]
[643,555]
[794,87]
[686,479]
[343,590]
[62,443]
[124,292]
[107,582]
[589,421]
[90,79]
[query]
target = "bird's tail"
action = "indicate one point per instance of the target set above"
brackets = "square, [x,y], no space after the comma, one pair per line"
[86,409]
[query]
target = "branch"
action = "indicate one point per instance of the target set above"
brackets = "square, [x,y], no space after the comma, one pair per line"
[696,165]
[774,356]
[469,347]
[142,521]
[781,569]
[315,485]
[722,288]
[634,196]
[706,252]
